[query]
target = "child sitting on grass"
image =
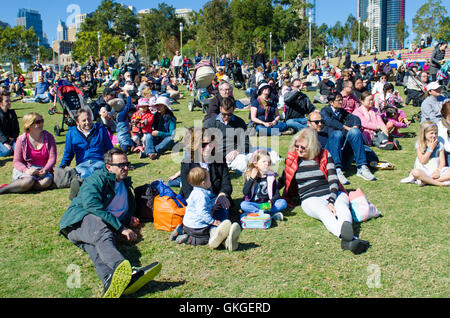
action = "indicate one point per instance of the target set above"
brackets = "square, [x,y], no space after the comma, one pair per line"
[429,167]
[205,222]
[261,187]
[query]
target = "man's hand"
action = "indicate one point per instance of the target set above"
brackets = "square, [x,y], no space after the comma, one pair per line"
[130,235]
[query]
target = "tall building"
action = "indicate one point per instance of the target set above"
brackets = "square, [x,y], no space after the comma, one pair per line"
[32,18]
[381,18]
[183,13]
[62,31]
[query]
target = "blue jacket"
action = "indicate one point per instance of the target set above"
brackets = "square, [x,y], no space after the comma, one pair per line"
[41,88]
[91,148]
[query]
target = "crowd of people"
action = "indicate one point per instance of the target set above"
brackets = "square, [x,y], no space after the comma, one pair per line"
[360,109]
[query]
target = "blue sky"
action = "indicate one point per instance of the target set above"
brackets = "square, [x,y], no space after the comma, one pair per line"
[328,11]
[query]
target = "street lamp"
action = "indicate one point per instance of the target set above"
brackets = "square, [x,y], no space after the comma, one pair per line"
[310,21]
[99,52]
[359,36]
[284,52]
[270,46]
[181,38]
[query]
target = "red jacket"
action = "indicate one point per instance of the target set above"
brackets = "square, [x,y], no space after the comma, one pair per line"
[143,121]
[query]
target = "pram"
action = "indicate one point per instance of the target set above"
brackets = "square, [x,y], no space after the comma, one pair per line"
[71,99]
[443,76]
[236,75]
[202,77]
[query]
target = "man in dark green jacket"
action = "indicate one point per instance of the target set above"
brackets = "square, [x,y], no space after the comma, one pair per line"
[105,206]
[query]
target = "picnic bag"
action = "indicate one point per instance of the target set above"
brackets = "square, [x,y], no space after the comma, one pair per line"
[168,212]
[256,220]
[145,196]
[361,209]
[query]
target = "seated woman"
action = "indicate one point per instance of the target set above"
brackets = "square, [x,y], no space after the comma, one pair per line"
[373,128]
[164,125]
[444,130]
[310,176]
[88,142]
[264,113]
[9,125]
[199,152]
[34,157]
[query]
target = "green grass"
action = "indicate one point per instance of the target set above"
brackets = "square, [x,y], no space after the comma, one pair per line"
[295,258]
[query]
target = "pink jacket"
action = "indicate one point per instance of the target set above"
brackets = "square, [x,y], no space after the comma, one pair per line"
[370,121]
[22,161]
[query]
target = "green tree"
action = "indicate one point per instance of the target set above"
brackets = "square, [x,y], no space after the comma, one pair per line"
[113,18]
[87,45]
[17,45]
[428,19]
[401,30]
[443,32]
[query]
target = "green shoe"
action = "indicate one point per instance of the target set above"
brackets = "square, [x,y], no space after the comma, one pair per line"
[141,276]
[118,281]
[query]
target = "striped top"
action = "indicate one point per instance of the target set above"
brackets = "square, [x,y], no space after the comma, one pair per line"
[312,182]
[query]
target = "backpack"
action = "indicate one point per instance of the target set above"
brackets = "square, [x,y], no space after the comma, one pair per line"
[145,196]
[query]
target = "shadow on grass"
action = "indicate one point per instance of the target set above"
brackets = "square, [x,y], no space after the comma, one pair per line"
[155,286]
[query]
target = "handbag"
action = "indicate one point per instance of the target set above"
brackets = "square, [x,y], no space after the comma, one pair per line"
[168,212]
[361,209]
[145,196]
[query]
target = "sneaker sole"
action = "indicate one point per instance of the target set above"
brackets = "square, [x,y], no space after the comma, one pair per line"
[347,231]
[144,279]
[232,243]
[120,280]
[221,234]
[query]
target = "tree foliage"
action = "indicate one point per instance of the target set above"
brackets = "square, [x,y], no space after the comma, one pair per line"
[87,45]
[17,45]
[431,18]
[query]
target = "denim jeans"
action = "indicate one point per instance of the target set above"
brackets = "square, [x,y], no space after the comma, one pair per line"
[95,237]
[86,168]
[157,144]
[175,183]
[272,131]
[42,98]
[352,143]
[253,207]
[5,152]
[123,135]
[297,123]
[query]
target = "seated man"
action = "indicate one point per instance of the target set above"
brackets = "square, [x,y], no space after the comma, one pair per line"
[325,87]
[344,135]
[297,106]
[225,90]
[88,142]
[105,207]
[41,93]
[236,142]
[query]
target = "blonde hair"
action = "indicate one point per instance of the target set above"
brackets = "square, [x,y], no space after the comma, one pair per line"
[424,129]
[256,156]
[29,119]
[197,175]
[312,139]
[147,92]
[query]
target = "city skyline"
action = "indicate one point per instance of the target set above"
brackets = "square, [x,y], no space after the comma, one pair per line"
[327,11]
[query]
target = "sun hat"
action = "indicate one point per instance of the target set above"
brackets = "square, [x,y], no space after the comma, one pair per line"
[433,85]
[262,86]
[162,100]
[143,102]
[326,75]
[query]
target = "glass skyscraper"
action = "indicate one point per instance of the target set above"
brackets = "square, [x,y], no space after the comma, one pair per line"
[32,18]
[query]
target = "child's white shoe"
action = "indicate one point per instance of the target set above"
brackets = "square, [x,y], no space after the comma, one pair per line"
[219,234]
[408,179]
[232,241]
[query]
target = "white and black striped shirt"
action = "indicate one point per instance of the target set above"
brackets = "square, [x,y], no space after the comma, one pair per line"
[311,181]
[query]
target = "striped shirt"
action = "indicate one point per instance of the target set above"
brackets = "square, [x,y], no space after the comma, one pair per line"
[312,182]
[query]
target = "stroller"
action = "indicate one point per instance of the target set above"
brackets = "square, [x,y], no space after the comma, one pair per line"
[443,76]
[236,75]
[202,77]
[71,99]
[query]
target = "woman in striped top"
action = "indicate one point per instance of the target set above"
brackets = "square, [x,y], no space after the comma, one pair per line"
[322,197]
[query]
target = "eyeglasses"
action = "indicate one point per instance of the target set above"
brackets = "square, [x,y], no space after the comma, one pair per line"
[227,114]
[300,147]
[121,165]
[38,121]
[317,122]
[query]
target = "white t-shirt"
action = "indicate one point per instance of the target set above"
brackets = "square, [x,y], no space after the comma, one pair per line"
[119,205]
[177,60]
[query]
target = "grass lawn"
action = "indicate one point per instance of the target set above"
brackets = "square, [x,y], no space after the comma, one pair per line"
[297,257]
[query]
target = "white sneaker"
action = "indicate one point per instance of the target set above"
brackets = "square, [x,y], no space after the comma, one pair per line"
[232,241]
[408,179]
[219,234]
[278,216]
[365,173]
[342,179]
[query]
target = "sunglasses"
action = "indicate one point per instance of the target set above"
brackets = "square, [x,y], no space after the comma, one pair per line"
[300,147]
[227,114]
[121,165]
[317,122]
[38,122]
